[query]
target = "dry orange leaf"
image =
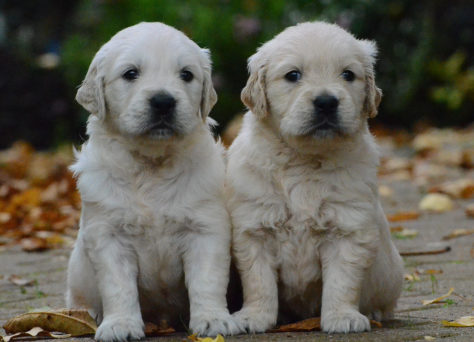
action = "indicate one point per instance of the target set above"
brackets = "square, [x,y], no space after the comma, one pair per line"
[309,324]
[470,210]
[152,329]
[403,216]
[460,188]
[34,244]
[431,271]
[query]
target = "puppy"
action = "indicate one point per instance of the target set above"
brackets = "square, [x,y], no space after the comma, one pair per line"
[309,234]
[154,228]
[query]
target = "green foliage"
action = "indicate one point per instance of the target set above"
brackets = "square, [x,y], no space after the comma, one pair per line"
[417,78]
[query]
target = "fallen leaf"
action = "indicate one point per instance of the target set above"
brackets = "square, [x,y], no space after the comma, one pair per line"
[429,338]
[152,329]
[34,332]
[33,244]
[436,203]
[465,321]
[470,210]
[5,217]
[385,191]
[429,271]
[376,323]
[457,233]
[65,321]
[403,216]
[460,188]
[194,338]
[400,232]
[411,277]
[439,299]
[80,314]
[19,281]
[425,251]
[309,324]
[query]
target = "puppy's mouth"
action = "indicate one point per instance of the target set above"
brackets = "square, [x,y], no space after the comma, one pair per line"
[160,130]
[322,127]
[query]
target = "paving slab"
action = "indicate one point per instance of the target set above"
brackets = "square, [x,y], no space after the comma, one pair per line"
[412,321]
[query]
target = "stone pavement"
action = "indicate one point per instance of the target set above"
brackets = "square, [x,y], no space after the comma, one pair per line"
[412,322]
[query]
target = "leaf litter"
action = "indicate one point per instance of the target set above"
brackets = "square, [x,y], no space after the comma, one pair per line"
[64,323]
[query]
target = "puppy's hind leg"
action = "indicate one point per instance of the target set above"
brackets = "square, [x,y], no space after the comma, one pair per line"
[383,283]
[82,291]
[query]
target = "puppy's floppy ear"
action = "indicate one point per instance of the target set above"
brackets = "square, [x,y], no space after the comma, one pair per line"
[209,95]
[90,94]
[254,94]
[373,93]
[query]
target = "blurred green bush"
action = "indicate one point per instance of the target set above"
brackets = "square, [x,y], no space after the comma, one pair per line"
[425,66]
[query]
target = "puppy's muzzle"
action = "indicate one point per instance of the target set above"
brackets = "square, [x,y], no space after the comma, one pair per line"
[325,110]
[162,107]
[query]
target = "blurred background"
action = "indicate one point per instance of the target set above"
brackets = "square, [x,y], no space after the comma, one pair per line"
[425,66]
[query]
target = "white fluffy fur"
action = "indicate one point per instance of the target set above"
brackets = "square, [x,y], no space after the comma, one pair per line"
[154,228]
[309,233]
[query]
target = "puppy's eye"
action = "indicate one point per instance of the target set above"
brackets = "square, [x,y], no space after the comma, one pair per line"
[293,76]
[348,75]
[186,75]
[130,75]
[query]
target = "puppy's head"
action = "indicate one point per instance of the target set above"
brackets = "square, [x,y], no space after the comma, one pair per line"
[149,81]
[313,80]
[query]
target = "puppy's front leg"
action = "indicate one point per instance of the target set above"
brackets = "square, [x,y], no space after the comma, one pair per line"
[256,265]
[344,265]
[206,269]
[116,272]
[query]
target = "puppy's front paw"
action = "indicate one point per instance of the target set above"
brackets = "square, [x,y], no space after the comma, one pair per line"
[211,325]
[344,321]
[253,321]
[120,329]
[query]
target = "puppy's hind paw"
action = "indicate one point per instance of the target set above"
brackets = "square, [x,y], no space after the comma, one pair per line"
[255,322]
[223,324]
[120,329]
[344,322]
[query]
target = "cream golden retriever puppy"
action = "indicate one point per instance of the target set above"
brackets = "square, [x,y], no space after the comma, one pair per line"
[310,236]
[154,229]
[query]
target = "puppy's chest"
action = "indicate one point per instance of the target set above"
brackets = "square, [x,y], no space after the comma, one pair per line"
[298,260]
[306,198]
[150,206]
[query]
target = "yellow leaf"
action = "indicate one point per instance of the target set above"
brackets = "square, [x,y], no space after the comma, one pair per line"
[219,338]
[439,299]
[465,321]
[436,203]
[64,321]
[458,232]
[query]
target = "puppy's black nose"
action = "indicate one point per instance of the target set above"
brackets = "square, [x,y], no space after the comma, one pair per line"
[326,104]
[162,104]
